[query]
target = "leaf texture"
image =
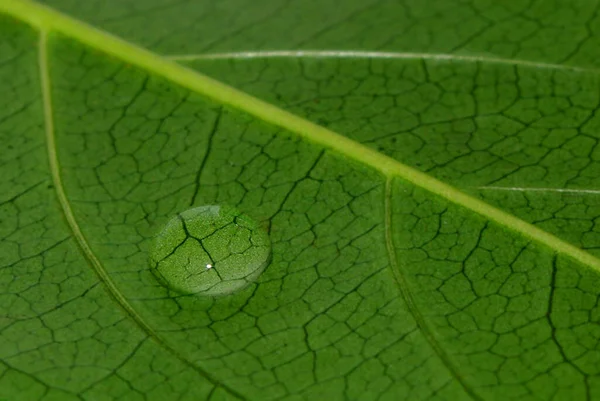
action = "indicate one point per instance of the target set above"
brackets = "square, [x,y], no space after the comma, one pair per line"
[521,136]
[385,282]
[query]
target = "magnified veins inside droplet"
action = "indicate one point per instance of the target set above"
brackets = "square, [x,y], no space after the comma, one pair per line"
[210,250]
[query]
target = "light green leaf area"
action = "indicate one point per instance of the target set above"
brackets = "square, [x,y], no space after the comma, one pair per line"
[384,283]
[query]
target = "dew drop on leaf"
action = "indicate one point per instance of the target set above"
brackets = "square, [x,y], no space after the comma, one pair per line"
[210,250]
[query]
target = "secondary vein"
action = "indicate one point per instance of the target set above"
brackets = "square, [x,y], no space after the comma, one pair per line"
[540,189]
[361,54]
[409,299]
[74,225]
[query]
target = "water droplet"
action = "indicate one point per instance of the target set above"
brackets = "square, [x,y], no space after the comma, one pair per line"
[210,250]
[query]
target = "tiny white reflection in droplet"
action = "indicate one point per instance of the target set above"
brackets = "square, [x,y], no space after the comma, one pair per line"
[209,266]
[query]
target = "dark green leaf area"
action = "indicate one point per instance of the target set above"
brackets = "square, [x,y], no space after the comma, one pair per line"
[552,31]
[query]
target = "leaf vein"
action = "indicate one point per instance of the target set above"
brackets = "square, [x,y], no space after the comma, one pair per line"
[73,225]
[409,299]
[361,54]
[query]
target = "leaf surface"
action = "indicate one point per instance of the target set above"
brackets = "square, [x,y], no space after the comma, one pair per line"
[549,31]
[522,136]
[385,282]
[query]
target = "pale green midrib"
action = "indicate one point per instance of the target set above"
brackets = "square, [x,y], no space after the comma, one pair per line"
[48,19]
[74,225]
[409,299]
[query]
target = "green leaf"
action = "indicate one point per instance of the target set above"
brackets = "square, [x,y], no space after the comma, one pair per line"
[394,274]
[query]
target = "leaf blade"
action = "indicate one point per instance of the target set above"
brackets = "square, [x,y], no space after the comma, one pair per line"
[322,170]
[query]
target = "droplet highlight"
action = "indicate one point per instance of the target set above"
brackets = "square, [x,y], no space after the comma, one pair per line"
[210,250]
